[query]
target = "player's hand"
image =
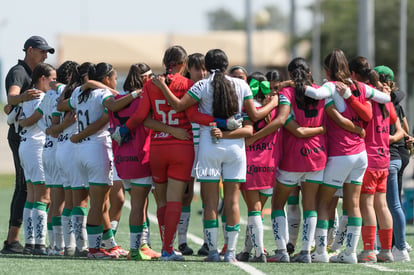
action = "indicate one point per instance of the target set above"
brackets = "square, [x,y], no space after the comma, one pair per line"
[159,81]
[31,94]
[179,133]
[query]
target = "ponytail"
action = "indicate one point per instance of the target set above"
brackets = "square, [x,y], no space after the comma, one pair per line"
[300,74]
[225,100]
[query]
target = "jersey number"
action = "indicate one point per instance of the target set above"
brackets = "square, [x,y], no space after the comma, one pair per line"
[80,116]
[167,118]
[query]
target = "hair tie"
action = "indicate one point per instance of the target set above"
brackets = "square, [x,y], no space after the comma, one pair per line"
[255,86]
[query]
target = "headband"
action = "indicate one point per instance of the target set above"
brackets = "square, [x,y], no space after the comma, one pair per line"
[147,73]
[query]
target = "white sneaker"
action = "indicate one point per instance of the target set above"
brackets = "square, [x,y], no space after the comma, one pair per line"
[400,255]
[344,258]
[320,258]
[408,247]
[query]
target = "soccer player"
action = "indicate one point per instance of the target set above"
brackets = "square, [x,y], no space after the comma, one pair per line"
[31,151]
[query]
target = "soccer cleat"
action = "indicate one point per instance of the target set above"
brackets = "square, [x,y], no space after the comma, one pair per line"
[55,252]
[149,252]
[100,254]
[213,256]
[344,258]
[385,256]
[81,253]
[320,258]
[290,248]
[118,251]
[69,252]
[229,257]
[28,249]
[223,250]
[40,249]
[185,249]
[173,256]
[243,256]
[367,256]
[400,255]
[12,248]
[137,255]
[281,256]
[260,259]
[203,251]
[302,257]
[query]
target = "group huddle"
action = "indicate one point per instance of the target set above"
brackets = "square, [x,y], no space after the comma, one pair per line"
[82,142]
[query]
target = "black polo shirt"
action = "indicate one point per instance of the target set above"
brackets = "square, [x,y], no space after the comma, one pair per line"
[19,75]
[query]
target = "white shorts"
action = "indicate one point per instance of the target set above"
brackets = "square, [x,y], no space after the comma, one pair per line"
[294,178]
[67,166]
[266,192]
[227,158]
[95,163]
[193,171]
[52,175]
[350,168]
[144,182]
[30,154]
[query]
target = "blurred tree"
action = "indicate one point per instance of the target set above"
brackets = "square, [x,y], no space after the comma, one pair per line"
[221,19]
[340,30]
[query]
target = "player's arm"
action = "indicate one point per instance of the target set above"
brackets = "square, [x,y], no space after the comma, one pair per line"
[91,128]
[274,125]
[116,105]
[31,120]
[303,132]
[343,122]
[158,126]
[255,114]
[15,96]
[179,105]
[244,132]
[58,127]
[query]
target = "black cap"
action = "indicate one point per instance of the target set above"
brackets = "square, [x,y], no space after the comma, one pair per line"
[39,43]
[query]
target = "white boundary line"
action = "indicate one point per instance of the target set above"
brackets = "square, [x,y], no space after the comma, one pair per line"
[385,269]
[245,267]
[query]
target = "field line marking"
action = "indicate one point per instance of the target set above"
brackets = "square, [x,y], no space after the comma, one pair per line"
[243,266]
[385,269]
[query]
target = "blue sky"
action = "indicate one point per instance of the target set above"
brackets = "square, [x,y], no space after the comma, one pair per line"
[19,19]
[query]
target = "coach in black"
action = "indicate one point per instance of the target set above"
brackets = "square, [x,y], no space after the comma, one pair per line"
[18,80]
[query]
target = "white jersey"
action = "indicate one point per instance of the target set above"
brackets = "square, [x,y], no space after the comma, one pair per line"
[202,91]
[48,107]
[89,110]
[33,132]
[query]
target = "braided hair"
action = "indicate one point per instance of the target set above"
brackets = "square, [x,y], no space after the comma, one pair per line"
[173,56]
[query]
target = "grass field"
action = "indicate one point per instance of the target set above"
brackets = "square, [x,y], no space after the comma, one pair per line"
[193,264]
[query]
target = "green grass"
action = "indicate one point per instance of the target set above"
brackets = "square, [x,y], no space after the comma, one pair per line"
[192,265]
